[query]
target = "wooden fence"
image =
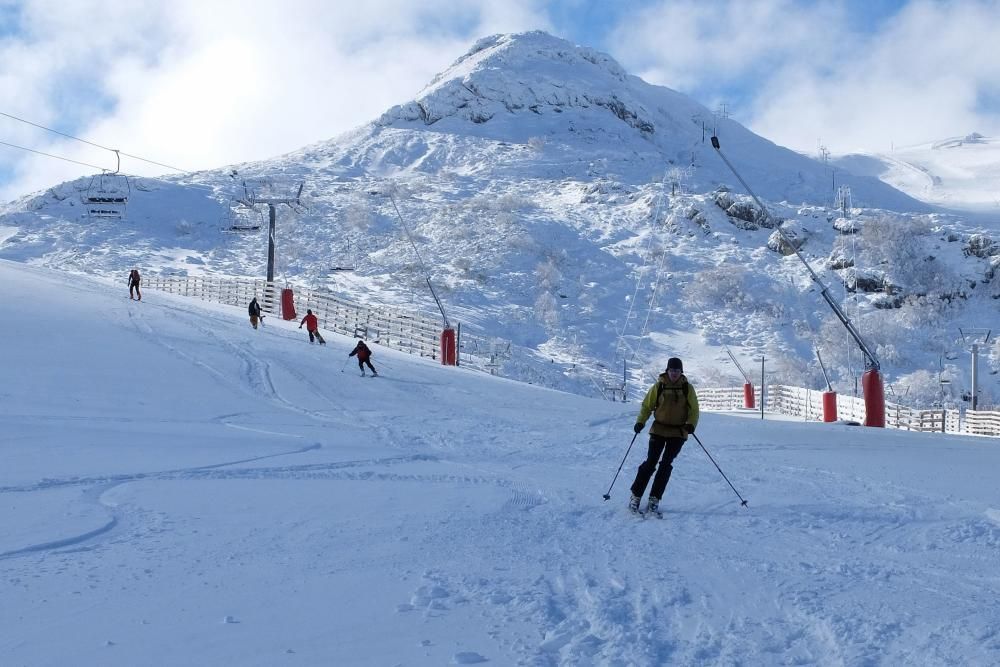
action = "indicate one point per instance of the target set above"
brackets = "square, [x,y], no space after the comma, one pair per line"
[391,327]
[420,334]
[808,404]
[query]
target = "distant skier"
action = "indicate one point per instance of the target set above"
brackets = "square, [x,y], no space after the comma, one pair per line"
[312,326]
[364,355]
[255,315]
[133,285]
[674,405]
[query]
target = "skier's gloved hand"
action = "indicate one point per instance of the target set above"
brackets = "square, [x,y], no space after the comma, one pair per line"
[638,427]
[689,428]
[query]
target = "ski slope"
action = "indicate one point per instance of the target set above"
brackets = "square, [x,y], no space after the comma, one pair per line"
[958,173]
[178,488]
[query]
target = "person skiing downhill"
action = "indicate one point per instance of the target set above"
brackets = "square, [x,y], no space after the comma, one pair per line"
[312,326]
[255,314]
[364,357]
[674,405]
[133,285]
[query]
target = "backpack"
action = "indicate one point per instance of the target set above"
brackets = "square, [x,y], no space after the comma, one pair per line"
[660,387]
[671,411]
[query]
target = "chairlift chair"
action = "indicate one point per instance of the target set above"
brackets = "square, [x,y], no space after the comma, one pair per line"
[345,261]
[242,218]
[107,194]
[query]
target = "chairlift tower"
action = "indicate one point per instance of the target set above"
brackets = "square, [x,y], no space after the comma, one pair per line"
[975,337]
[252,199]
[844,202]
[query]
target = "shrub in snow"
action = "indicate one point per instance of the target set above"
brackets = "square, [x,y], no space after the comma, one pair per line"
[547,310]
[899,246]
[921,388]
[993,278]
[847,226]
[548,275]
[865,280]
[536,144]
[837,261]
[358,215]
[725,287]
[980,245]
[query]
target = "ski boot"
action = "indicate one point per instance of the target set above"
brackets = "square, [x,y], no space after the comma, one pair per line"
[633,504]
[653,507]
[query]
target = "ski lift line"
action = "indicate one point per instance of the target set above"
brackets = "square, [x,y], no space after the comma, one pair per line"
[90,143]
[824,291]
[654,293]
[58,157]
[654,290]
[638,280]
[427,277]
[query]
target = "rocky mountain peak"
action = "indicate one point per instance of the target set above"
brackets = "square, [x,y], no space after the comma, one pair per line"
[530,72]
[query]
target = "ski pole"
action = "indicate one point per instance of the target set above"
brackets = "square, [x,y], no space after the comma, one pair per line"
[607,496]
[345,365]
[698,440]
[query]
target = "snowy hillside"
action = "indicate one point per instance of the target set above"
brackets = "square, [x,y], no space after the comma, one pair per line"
[178,488]
[961,173]
[580,213]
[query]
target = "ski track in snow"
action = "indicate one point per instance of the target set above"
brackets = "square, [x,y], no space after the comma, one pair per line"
[616,619]
[597,586]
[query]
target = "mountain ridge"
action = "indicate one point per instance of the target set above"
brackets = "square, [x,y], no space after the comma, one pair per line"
[566,232]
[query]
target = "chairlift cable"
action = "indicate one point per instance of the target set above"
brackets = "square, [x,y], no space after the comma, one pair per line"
[90,143]
[58,157]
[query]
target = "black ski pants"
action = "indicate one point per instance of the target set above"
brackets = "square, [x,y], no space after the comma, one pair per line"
[661,449]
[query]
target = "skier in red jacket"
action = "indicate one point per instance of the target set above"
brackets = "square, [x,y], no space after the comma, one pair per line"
[312,326]
[364,357]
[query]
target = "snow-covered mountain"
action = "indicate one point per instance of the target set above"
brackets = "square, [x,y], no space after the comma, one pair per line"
[961,173]
[581,213]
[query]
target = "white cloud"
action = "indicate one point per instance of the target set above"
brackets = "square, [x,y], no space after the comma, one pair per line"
[917,81]
[202,84]
[205,83]
[825,72]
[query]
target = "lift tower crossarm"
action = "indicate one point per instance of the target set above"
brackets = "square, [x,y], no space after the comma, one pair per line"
[871,361]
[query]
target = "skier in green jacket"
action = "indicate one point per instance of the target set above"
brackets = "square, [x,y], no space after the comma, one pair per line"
[674,405]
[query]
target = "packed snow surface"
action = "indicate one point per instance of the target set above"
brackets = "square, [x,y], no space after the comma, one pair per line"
[178,488]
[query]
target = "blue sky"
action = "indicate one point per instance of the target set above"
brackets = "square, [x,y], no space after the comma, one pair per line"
[204,84]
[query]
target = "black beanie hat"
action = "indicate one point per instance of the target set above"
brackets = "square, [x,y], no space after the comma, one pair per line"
[674,362]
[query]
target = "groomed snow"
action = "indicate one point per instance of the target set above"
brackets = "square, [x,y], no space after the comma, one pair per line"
[178,488]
